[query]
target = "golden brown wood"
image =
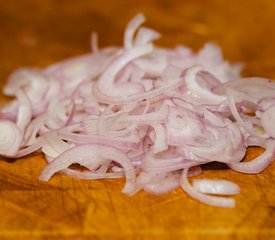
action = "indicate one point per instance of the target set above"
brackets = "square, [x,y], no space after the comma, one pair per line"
[37,33]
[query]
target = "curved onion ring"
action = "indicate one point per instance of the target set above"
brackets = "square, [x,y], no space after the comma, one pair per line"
[10,138]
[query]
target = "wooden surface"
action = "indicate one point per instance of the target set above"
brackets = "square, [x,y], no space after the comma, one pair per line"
[37,33]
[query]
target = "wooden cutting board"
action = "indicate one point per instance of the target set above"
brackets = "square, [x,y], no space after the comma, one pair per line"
[38,33]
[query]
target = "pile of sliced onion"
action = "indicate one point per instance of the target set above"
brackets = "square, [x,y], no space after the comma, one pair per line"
[152,115]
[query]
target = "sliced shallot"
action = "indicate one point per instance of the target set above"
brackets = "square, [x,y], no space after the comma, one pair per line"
[150,114]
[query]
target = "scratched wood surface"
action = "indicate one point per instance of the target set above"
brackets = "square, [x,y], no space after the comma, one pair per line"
[38,33]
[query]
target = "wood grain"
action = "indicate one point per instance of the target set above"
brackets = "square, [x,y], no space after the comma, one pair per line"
[37,33]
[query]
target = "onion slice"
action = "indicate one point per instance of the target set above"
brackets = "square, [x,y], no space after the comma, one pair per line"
[10,138]
[91,154]
[216,187]
[209,200]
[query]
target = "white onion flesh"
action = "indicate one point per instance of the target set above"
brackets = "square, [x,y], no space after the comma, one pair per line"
[216,187]
[152,115]
[10,138]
